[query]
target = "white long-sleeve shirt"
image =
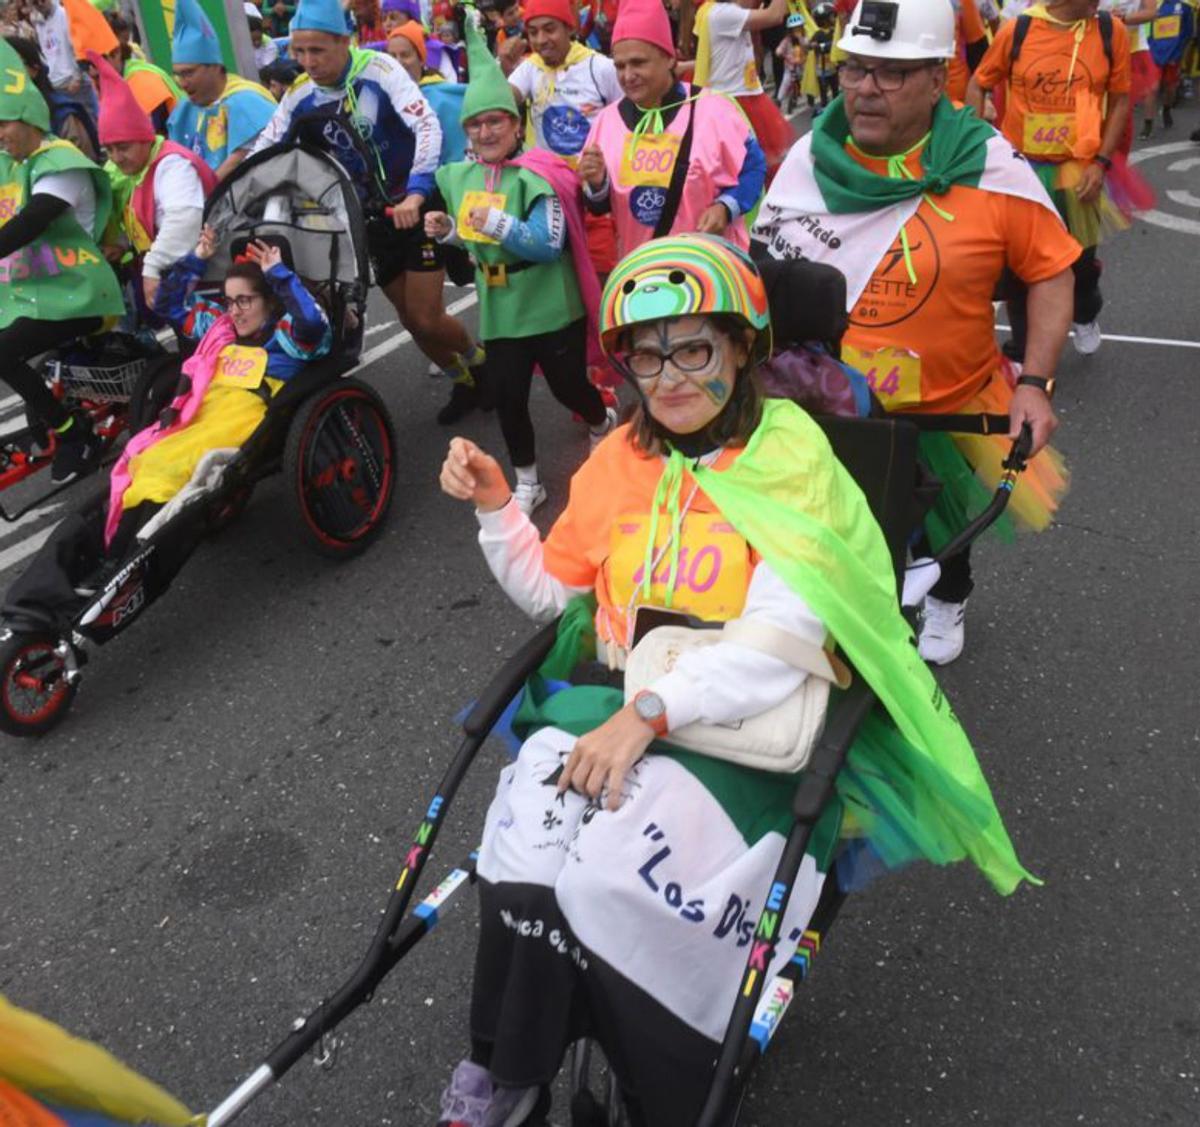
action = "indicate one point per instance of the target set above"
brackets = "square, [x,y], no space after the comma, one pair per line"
[178,213]
[717,684]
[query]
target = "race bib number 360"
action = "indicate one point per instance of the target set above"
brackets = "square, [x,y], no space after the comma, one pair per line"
[1049,134]
[649,160]
[893,373]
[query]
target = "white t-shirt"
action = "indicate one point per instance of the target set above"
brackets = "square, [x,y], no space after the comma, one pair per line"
[564,102]
[54,38]
[1122,9]
[76,188]
[732,68]
[178,213]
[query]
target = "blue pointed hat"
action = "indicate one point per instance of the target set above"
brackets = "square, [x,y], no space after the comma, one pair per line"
[194,40]
[321,15]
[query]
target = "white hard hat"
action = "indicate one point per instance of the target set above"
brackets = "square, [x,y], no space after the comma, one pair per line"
[253,11]
[900,29]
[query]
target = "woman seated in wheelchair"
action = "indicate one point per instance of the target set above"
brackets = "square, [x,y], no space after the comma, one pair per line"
[263,332]
[621,874]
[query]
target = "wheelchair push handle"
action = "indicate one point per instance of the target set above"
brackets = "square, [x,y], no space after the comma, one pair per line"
[1014,463]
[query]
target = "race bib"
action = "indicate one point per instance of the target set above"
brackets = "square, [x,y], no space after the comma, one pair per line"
[216,132]
[470,201]
[239,366]
[1049,134]
[10,201]
[649,160]
[714,565]
[893,373]
[1166,27]
[750,77]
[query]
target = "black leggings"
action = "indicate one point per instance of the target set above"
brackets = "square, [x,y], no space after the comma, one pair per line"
[1088,300]
[26,338]
[562,356]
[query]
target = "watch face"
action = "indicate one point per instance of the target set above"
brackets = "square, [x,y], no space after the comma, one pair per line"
[649,706]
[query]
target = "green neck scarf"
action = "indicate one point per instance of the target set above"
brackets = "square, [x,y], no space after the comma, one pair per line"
[955,154]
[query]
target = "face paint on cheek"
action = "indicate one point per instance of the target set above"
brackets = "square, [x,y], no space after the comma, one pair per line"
[717,390]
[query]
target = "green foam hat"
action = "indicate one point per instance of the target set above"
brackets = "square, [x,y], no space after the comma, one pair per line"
[488,88]
[20,100]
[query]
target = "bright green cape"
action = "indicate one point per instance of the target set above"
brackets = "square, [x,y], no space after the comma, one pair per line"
[956,153]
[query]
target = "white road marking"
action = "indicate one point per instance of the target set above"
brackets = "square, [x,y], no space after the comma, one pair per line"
[392,343]
[1183,196]
[1184,165]
[1165,218]
[1169,342]
[25,548]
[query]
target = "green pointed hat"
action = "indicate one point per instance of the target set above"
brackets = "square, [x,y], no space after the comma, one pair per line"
[19,98]
[488,88]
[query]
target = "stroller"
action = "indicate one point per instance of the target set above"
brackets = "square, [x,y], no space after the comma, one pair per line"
[329,434]
[881,456]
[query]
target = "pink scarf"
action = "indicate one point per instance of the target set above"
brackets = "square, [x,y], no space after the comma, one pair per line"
[200,368]
[565,183]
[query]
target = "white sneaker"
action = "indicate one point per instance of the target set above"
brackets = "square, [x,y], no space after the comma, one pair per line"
[598,434]
[1087,337]
[529,495]
[941,638]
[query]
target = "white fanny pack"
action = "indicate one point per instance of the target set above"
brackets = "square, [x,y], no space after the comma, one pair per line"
[782,738]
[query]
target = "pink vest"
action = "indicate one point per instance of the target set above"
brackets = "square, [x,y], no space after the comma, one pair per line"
[718,152]
[143,194]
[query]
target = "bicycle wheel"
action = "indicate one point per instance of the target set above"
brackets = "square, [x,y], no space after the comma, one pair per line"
[34,691]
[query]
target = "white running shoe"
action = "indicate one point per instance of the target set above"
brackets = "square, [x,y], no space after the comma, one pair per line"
[529,495]
[1087,337]
[598,434]
[941,638]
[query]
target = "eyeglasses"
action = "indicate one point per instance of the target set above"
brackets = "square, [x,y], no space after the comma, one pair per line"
[488,124]
[243,300]
[887,78]
[644,364]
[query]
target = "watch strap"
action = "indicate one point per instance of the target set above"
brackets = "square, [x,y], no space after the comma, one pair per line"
[1040,382]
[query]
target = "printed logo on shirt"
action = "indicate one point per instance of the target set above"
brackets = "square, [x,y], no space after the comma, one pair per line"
[216,131]
[891,296]
[1049,83]
[647,205]
[565,129]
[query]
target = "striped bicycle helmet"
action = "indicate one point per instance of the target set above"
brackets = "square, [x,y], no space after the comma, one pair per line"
[682,276]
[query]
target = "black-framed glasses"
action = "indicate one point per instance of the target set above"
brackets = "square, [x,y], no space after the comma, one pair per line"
[888,78]
[689,356]
[243,300]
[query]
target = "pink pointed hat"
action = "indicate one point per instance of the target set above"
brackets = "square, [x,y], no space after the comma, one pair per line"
[121,118]
[645,20]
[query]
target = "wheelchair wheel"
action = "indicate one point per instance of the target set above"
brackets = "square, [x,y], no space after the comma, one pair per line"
[339,465]
[34,691]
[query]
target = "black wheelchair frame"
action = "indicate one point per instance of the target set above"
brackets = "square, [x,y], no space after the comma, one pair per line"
[881,454]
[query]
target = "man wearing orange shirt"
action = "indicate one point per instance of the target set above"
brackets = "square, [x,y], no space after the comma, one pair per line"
[922,206]
[1067,72]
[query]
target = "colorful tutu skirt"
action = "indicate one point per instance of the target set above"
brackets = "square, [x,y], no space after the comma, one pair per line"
[1125,192]
[970,466]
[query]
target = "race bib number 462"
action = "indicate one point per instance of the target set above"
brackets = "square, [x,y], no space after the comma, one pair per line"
[649,160]
[239,366]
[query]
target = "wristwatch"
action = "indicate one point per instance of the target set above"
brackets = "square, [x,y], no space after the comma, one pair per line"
[651,709]
[1103,162]
[1040,382]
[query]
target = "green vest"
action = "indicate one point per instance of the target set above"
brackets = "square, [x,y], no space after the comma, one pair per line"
[539,298]
[61,274]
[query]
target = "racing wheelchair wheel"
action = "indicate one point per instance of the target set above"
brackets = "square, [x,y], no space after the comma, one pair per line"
[338,462]
[35,692]
[154,390]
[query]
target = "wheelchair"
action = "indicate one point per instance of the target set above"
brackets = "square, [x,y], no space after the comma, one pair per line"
[327,432]
[881,455]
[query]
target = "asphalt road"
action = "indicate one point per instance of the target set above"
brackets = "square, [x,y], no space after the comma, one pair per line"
[200,852]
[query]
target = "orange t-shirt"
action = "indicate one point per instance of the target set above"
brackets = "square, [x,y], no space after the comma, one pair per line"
[600,541]
[968,28]
[1053,112]
[930,345]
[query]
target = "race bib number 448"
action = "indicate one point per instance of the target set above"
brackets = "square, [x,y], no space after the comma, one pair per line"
[1049,134]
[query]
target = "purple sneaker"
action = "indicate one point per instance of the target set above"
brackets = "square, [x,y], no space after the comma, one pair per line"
[472,1100]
